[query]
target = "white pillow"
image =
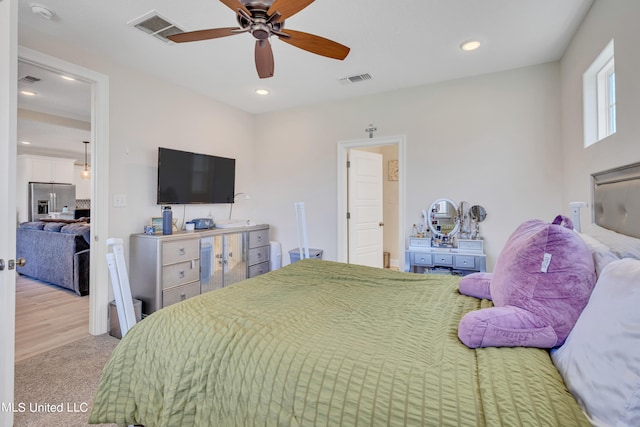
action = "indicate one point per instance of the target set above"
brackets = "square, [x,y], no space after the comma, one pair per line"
[600,360]
[621,245]
[602,254]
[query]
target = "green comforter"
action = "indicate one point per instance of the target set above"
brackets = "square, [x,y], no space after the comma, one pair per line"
[319,343]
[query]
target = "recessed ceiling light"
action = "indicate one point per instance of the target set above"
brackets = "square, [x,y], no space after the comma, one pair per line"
[25,142]
[71,79]
[28,92]
[470,45]
[262,92]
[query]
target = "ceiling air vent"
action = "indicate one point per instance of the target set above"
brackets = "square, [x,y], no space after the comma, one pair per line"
[355,79]
[29,79]
[154,24]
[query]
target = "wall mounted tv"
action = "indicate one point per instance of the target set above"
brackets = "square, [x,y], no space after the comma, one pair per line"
[186,178]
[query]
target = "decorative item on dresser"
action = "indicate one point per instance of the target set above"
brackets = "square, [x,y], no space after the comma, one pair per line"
[166,269]
[447,240]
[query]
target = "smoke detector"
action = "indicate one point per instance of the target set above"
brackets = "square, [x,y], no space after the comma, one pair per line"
[42,11]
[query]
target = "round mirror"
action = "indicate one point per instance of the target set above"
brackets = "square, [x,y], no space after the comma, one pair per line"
[443,218]
[478,213]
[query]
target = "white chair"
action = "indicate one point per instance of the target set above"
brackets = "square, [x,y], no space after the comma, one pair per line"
[120,283]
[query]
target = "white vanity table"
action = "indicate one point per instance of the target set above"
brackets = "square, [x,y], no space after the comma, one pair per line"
[467,258]
[450,244]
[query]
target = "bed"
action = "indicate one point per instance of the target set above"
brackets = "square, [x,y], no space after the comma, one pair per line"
[324,343]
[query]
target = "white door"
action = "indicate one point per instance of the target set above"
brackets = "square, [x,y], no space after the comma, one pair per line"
[365,208]
[8,120]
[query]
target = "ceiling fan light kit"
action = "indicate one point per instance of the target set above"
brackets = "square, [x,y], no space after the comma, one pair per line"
[263,19]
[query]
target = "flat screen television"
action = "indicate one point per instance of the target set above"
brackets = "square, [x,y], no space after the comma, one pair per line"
[186,178]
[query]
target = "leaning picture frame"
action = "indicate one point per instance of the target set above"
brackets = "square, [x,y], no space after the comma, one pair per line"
[156,221]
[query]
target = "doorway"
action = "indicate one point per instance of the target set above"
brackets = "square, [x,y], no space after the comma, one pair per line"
[98,276]
[54,119]
[393,168]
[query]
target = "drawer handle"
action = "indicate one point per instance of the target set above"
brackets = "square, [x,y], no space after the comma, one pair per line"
[259,237]
[183,296]
[422,259]
[464,262]
[181,274]
[181,251]
[259,255]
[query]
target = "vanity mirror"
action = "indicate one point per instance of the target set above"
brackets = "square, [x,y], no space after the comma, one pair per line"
[477,214]
[443,219]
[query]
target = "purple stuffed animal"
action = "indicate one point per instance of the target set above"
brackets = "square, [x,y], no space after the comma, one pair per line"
[541,283]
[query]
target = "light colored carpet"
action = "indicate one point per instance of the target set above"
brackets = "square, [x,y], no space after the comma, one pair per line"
[56,388]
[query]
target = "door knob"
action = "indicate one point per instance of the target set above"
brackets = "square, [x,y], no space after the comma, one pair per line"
[1,264]
[381,224]
[21,262]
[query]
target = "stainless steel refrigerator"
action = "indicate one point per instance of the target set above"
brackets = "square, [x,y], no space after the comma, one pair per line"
[48,199]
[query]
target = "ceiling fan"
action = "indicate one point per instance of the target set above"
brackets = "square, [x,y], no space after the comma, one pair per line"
[264,18]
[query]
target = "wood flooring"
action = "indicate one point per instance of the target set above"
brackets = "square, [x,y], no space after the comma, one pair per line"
[47,317]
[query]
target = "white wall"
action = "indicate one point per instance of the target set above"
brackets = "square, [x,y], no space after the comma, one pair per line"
[492,140]
[606,20]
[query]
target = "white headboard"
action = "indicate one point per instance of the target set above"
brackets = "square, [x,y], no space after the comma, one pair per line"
[616,199]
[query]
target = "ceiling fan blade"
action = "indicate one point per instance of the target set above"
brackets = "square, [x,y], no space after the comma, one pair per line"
[287,8]
[235,5]
[194,36]
[315,44]
[264,59]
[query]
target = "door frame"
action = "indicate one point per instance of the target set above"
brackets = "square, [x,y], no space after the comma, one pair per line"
[8,135]
[343,149]
[98,270]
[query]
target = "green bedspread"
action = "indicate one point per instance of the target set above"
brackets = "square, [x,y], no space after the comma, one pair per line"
[320,343]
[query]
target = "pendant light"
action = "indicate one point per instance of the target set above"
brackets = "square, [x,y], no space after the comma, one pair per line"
[85,174]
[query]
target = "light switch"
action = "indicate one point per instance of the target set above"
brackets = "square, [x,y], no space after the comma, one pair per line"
[119,200]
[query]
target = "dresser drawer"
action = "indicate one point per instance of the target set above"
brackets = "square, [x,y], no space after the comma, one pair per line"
[258,238]
[258,269]
[419,242]
[177,274]
[470,245]
[180,293]
[422,259]
[258,255]
[442,259]
[180,250]
[464,261]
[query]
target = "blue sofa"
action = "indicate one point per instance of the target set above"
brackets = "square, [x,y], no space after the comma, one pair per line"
[55,252]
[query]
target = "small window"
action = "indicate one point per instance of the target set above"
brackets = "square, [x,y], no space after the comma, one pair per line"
[599,90]
[607,100]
